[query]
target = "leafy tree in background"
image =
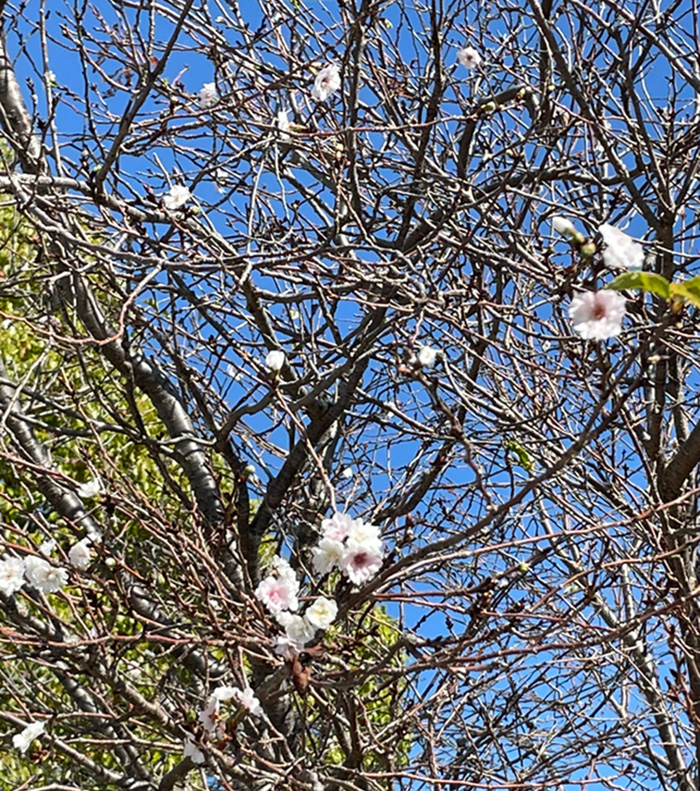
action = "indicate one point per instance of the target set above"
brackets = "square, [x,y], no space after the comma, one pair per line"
[276,273]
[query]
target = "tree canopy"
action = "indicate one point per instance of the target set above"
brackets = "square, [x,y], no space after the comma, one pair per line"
[349,395]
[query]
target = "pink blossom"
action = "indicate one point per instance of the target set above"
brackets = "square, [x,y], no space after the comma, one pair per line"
[597,315]
[360,562]
[278,593]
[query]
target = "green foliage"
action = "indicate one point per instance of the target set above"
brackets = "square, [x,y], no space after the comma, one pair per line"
[651,283]
[641,281]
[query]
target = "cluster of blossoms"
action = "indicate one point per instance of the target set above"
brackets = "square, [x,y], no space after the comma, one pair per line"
[352,545]
[38,571]
[210,715]
[597,315]
[279,593]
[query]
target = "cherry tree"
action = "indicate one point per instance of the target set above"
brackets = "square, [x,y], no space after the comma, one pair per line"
[349,395]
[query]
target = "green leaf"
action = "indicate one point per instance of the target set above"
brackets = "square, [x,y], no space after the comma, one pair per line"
[688,291]
[645,281]
[691,290]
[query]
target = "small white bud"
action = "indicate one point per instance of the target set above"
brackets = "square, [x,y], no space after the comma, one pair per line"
[275,360]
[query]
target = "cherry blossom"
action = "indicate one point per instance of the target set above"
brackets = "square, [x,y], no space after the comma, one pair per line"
[326,83]
[321,613]
[79,554]
[191,751]
[282,567]
[298,629]
[176,197]
[360,562]
[208,716]
[22,740]
[207,95]
[621,251]
[427,355]
[337,527]
[43,576]
[469,57]
[246,697]
[89,488]
[11,575]
[597,315]
[278,594]
[286,647]
[364,533]
[327,555]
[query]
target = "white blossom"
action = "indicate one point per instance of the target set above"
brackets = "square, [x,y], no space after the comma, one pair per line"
[359,562]
[283,124]
[299,630]
[11,575]
[224,693]
[326,83]
[22,740]
[89,488]
[176,197]
[563,226]
[79,553]
[283,569]
[621,251]
[597,315]
[285,647]
[427,356]
[275,360]
[43,576]
[327,555]
[246,697]
[47,547]
[207,95]
[469,57]
[364,533]
[337,527]
[208,716]
[321,613]
[191,751]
